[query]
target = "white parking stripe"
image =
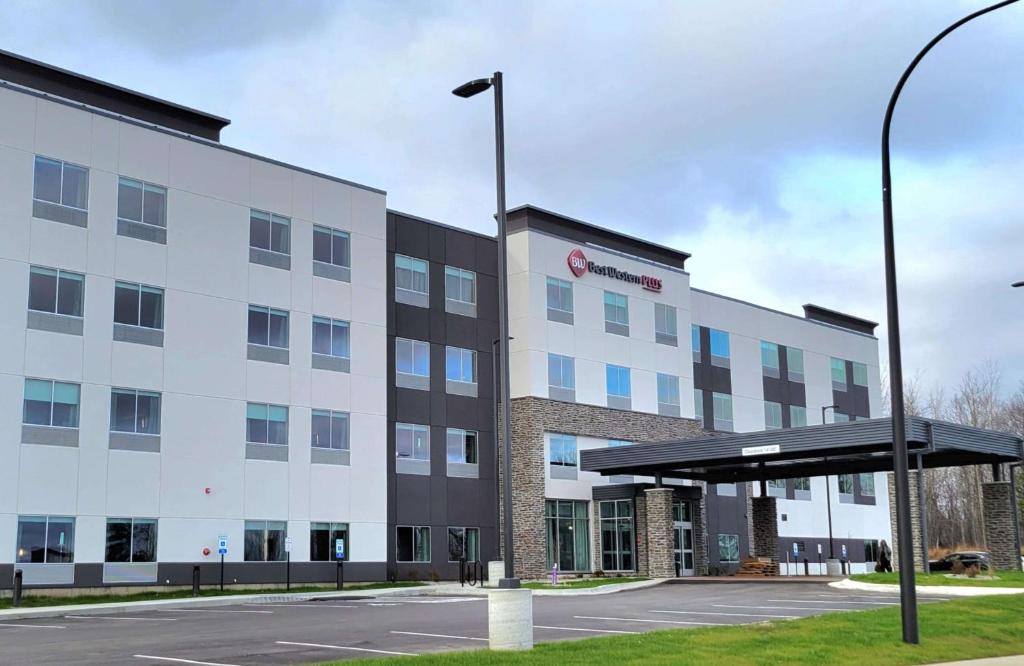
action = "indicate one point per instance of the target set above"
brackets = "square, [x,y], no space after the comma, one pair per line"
[679,612]
[633,619]
[34,626]
[176,660]
[791,608]
[595,631]
[313,605]
[124,619]
[833,601]
[346,647]
[416,633]
[206,610]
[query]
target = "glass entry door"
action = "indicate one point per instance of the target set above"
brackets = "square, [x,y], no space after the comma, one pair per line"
[682,538]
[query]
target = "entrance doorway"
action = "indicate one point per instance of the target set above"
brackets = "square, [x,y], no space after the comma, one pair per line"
[683,538]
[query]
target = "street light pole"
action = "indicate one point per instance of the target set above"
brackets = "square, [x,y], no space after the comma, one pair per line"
[828,495]
[908,594]
[1018,284]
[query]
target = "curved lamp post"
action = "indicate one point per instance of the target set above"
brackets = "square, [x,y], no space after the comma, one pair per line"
[908,596]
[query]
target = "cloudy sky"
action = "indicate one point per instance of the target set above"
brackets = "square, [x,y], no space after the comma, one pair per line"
[746,133]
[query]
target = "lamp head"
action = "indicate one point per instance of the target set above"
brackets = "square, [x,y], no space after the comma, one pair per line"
[472,88]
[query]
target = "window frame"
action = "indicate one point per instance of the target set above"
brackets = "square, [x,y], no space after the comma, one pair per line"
[250,526]
[58,275]
[331,323]
[271,220]
[561,359]
[772,409]
[332,233]
[562,287]
[724,398]
[460,274]
[465,543]
[670,335]
[566,454]
[861,477]
[618,370]
[270,313]
[140,288]
[837,365]
[331,415]
[414,428]
[467,436]
[793,411]
[770,350]
[426,274]
[21,557]
[414,345]
[135,420]
[695,346]
[131,521]
[332,529]
[698,405]
[63,164]
[793,353]
[269,407]
[717,359]
[53,385]
[417,534]
[143,185]
[616,308]
[462,354]
[620,522]
[733,544]
[863,370]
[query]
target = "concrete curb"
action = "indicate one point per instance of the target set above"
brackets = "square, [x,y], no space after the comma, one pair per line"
[455,590]
[944,591]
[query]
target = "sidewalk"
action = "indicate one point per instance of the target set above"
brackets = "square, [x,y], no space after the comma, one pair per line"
[993,661]
[941,590]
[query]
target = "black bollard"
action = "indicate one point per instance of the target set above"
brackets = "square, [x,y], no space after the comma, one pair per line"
[807,567]
[18,578]
[195,580]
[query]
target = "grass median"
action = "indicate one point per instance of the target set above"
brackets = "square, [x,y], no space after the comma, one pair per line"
[952,630]
[583,583]
[1004,579]
[39,599]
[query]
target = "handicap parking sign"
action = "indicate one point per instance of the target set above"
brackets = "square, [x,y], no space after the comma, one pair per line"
[222,545]
[339,549]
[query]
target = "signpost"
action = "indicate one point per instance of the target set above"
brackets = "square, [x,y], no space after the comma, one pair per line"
[222,549]
[287,563]
[339,555]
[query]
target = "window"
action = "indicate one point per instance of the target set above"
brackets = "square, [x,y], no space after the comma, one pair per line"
[719,348]
[867,484]
[412,441]
[559,300]
[61,183]
[134,411]
[695,342]
[268,327]
[459,285]
[264,540]
[131,540]
[698,405]
[668,390]
[617,380]
[411,275]
[797,416]
[266,424]
[568,535]
[269,232]
[725,489]
[769,359]
[839,417]
[460,365]
[330,430]
[462,446]
[795,364]
[665,324]
[617,535]
[728,548]
[802,488]
[616,313]
[613,443]
[838,374]
[845,484]
[561,372]
[141,202]
[463,543]
[562,451]
[776,487]
[721,404]
[50,403]
[331,246]
[322,539]
[860,374]
[413,544]
[772,415]
[330,337]
[56,291]
[46,539]
[139,305]
[412,357]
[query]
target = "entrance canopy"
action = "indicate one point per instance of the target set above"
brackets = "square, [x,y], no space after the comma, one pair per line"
[837,448]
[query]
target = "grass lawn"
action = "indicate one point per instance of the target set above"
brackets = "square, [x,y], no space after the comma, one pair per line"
[582,583]
[37,600]
[961,629]
[1006,579]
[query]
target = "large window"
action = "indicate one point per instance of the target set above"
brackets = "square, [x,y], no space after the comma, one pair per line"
[845,484]
[412,357]
[769,359]
[412,544]
[56,291]
[616,313]
[331,337]
[562,451]
[722,406]
[331,246]
[462,445]
[412,441]
[459,285]
[330,430]
[561,372]
[867,484]
[134,411]
[617,535]
[860,374]
[138,305]
[797,416]
[772,415]
[61,183]
[266,424]
[131,540]
[568,535]
[264,540]
[695,342]
[776,488]
[728,548]
[270,232]
[668,390]
[460,365]
[46,539]
[698,405]
[323,538]
[50,403]
[665,330]
[559,300]
[463,543]
[617,381]
[720,348]
[141,202]
[268,327]
[802,488]
[795,364]
[838,374]
[411,275]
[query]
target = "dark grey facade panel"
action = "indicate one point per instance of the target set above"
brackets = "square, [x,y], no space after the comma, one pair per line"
[140,231]
[139,335]
[55,323]
[727,515]
[50,436]
[57,213]
[129,441]
[824,315]
[267,354]
[271,259]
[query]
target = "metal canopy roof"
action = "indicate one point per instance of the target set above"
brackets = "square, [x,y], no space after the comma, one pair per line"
[838,448]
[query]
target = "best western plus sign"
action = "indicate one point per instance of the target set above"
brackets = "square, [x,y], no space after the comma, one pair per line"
[579,265]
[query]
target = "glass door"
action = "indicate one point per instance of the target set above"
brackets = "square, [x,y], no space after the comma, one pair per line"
[682,541]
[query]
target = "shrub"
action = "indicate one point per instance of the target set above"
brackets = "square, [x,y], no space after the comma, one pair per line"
[972,571]
[958,568]
[598,573]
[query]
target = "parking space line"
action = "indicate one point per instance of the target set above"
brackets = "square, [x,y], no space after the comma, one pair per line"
[791,608]
[679,612]
[833,601]
[176,660]
[346,647]
[207,610]
[313,605]
[633,619]
[417,633]
[595,631]
[34,626]
[124,619]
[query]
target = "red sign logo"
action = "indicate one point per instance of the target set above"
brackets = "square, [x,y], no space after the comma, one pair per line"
[577,263]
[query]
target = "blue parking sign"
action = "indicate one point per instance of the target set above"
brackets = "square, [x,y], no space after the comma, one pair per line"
[339,549]
[222,545]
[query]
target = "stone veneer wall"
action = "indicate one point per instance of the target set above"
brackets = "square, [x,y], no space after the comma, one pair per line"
[750,512]
[1000,528]
[764,516]
[699,518]
[531,418]
[640,513]
[660,537]
[915,522]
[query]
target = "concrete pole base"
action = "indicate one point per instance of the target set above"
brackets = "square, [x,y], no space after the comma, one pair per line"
[495,572]
[510,619]
[834,568]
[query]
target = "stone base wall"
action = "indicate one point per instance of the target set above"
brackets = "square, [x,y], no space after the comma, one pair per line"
[915,522]
[764,516]
[700,533]
[1000,529]
[660,536]
[640,525]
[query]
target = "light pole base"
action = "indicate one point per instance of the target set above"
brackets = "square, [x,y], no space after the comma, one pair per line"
[833,568]
[510,619]
[495,572]
[508,583]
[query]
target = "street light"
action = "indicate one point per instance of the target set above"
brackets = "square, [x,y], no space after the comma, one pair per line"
[828,496]
[1018,284]
[467,90]
[908,594]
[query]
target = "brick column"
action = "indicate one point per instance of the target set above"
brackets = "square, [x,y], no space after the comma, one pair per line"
[640,527]
[528,524]
[1000,529]
[700,531]
[660,556]
[764,516]
[915,522]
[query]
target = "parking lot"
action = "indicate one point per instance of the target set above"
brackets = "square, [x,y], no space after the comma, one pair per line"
[315,631]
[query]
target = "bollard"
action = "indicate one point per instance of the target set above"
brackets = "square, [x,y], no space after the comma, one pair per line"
[462,571]
[19,576]
[341,574]
[807,567]
[195,581]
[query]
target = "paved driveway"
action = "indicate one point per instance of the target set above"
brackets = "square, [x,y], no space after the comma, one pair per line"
[314,631]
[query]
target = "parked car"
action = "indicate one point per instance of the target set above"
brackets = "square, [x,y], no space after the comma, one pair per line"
[977,558]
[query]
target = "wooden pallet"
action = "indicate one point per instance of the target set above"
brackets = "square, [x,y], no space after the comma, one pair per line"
[758,567]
